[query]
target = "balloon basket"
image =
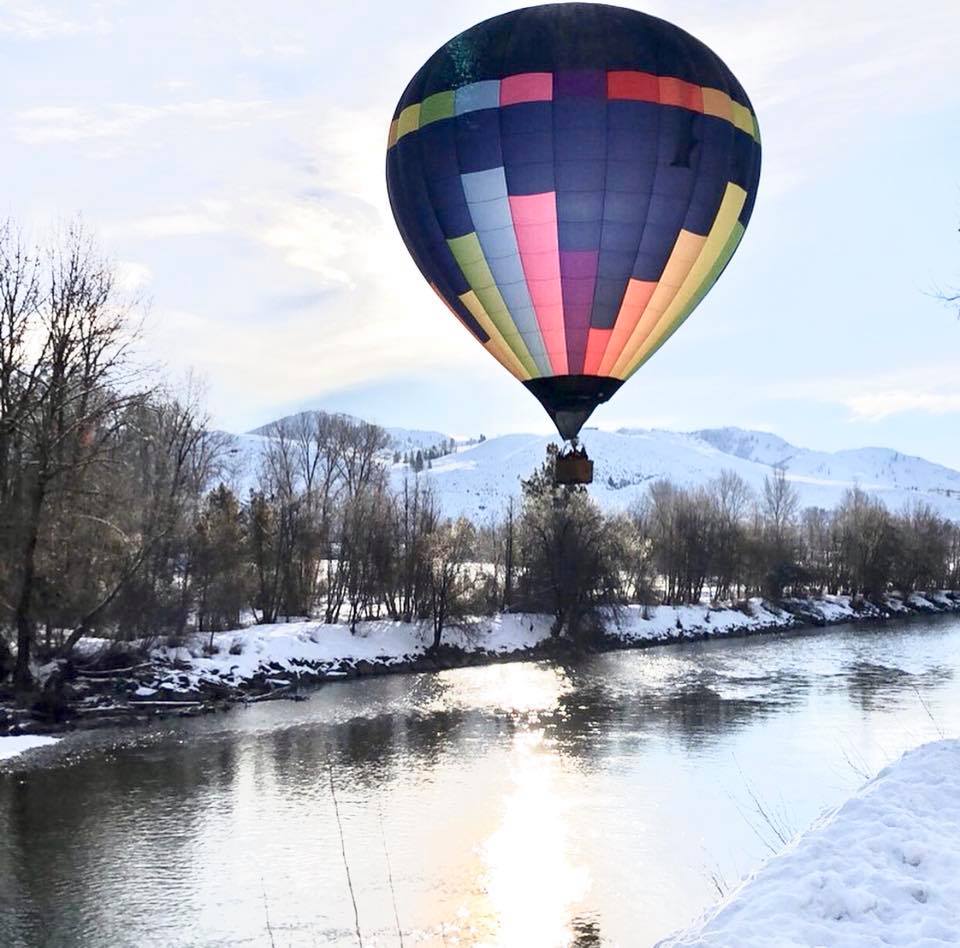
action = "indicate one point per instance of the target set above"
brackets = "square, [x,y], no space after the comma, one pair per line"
[573,468]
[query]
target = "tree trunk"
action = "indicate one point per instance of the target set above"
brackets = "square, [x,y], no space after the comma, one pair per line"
[83,627]
[439,615]
[5,659]
[508,563]
[22,613]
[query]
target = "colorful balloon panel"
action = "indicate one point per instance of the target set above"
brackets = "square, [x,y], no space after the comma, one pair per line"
[572,179]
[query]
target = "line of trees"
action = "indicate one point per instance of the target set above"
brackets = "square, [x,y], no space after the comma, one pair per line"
[118,518]
[424,457]
[722,541]
[99,469]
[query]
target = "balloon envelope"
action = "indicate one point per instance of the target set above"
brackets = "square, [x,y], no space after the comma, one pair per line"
[571,179]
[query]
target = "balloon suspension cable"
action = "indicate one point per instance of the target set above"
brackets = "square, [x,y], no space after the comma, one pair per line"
[573,448]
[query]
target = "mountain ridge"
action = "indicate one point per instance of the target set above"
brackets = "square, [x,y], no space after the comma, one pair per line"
[401,439]
[478,479]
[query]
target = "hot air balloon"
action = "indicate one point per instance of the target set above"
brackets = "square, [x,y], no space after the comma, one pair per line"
[571,180]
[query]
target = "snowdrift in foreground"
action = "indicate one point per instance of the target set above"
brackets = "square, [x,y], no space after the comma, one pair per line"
[882,870]
[17,744]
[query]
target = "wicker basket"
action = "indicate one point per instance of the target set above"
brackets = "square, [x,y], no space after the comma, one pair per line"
[573,469]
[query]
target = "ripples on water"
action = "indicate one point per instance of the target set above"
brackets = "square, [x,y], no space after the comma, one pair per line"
[517,805]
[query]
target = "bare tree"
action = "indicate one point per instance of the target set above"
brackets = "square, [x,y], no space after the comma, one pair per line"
[145,485]
[363,479]
[780,505]
[450,547]
[865,538]
[69,379]
[416,517]
[731,497]
[509,554]
[20,303]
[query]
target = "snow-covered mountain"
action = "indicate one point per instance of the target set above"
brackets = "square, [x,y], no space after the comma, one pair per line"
[477,479]
[401,439]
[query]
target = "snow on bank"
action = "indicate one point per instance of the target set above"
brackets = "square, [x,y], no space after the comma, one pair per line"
[667,623]
[242,654]
[272,651]
[12,746]
[107,684]
[882,870]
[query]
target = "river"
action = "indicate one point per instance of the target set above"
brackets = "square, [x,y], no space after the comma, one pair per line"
[522,805]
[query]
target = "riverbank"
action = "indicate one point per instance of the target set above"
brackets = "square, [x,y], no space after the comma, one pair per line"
[883,869]
[105,685]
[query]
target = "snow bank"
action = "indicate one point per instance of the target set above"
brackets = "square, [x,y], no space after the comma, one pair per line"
[882,870]
[11,746]
[667,623]
[265,650]
[270,656]
[262,649]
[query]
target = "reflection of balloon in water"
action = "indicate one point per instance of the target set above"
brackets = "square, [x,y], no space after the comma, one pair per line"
[572,179]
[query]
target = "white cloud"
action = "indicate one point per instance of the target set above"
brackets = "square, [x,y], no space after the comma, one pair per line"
[35,21]
[315,238]
[279,50]
[277,158]
[876,406]
[174,224]
[288,359]
[931,390]
[819,72]
[132,276]
[44,125]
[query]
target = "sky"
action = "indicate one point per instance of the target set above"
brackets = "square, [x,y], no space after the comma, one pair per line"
[229,157]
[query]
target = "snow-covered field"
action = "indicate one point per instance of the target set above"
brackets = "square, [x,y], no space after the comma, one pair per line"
[478,479]
[882,870]
[17,744]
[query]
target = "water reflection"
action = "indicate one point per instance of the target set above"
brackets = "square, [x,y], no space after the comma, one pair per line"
[696,709]
[532,877]
[586,933]
[869,683]
[523,804]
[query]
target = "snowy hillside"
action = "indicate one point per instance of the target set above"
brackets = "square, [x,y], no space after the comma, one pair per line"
[401,439]
[869,466]
[477,480]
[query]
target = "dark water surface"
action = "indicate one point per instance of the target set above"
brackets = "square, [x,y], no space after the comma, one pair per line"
[519,805]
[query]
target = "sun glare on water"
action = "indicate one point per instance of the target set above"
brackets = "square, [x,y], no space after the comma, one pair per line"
[532,880]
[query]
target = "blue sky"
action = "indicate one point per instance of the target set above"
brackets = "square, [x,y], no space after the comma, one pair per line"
[229,155]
